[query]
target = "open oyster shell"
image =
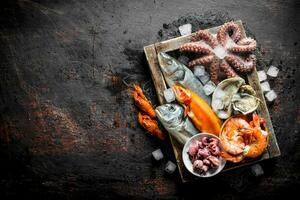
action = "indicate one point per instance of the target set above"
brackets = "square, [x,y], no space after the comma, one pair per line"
[245,103]
[221,99]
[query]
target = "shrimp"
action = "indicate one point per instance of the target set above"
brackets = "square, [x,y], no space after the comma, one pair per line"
[142,102]
[232,158]
[257,147]
[241,139]
[151,126]
[231,137]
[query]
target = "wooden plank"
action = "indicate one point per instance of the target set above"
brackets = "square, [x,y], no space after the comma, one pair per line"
[262,110]
[160,86]
[155,71]
[174,44]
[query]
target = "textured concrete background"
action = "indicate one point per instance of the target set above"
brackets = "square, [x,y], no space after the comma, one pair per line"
[67,123]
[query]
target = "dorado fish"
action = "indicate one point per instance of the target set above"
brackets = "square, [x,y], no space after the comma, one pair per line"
[203,117]
[171,117]
[177,73]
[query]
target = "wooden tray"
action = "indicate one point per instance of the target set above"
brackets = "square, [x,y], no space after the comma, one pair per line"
[151,52]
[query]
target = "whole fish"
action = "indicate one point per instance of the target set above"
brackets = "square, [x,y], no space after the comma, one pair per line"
[176,73]
[171,117]
[203,117]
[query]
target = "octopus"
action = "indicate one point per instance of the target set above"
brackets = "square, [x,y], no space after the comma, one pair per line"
[226,51]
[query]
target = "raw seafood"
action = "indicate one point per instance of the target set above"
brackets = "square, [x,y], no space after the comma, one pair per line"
[231,136]
[245,103]
[247,89]
[142,102]
[198,110]
[223,52]
[221,98]
[177,73]
[258,139]
[151,126]
[171,117]
[241,139]
[204,155]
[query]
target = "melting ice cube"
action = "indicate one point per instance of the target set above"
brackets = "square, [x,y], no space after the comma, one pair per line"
[220,52]
[199,70]
[273,71]
[262,75]
[185,29]
[265,86]
[157,154]
[271,95]
[204,78]
[170,167]
[257,170]
[169,95]
[209,88]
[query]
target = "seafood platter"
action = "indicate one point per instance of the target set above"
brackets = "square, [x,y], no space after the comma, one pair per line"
[217,123]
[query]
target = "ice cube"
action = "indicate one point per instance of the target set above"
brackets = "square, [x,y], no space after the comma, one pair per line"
[217,104]
[273,71]
[169,95]
[170,167]
[157,154]
[185,29]
[205,78]
[183,59]
[262,75]
[199,70]
[209,88]
[257,170]
[265,86]
[220,52]
[271,96]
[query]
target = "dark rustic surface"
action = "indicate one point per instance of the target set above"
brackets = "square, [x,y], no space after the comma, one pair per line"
[68,126]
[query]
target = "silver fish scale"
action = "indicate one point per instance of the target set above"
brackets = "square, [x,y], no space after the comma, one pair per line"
[171,117]
[177,73]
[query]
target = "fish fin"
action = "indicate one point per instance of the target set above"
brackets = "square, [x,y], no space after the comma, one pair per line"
[186,111]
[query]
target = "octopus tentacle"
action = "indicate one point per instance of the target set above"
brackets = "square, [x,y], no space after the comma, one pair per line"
[214,70]
[240,64]
[195,47]
[227,69]
[224,31]
[204,60]
[244,45]
[206,36]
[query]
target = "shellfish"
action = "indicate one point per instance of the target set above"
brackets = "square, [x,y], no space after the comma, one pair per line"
[221,98]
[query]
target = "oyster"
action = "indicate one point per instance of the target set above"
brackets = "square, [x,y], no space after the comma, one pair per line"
[245,103]
[221,98]
[247,89]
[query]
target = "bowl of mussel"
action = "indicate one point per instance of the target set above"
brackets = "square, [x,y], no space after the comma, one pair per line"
[201,155]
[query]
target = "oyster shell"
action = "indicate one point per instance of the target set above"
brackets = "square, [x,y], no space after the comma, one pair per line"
[221,99]
[245,103]
[247,89]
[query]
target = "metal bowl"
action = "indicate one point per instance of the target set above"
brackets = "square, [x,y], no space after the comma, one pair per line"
[188,163]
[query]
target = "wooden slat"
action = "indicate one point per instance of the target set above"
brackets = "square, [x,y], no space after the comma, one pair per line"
[262,110]
[160,85]
[273,148]
[155,71]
